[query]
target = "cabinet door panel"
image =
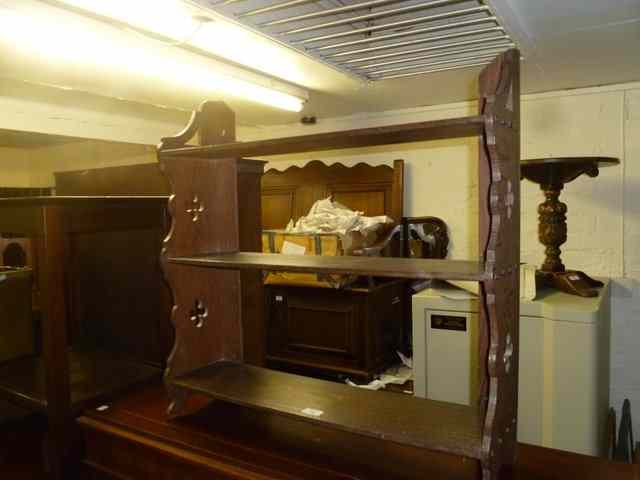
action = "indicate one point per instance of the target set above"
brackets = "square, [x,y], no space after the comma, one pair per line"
[316,326]
[322,330]
[353,332]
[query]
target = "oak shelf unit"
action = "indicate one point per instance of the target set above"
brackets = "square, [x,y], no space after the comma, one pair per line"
[215,275]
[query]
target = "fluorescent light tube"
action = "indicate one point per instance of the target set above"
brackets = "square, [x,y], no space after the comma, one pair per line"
[72,39]
[170,18]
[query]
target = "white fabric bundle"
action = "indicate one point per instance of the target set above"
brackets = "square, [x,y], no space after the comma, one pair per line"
[327,216]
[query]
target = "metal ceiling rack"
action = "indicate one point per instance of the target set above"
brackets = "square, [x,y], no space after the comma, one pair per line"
[378,39]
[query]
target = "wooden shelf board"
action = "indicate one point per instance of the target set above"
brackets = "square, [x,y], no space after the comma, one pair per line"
[412,268]
[404,419]
[93,375]
[363,137]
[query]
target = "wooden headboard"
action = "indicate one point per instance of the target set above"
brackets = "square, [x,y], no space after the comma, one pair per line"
[130,180]
[291,193]
[285,194]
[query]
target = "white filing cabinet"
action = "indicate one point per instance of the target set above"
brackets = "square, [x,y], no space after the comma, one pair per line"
[563,394]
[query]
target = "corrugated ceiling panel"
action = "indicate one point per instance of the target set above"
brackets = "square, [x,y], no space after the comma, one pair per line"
[377,39]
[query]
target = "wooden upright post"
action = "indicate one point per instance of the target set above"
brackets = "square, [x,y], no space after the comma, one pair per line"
[52,254]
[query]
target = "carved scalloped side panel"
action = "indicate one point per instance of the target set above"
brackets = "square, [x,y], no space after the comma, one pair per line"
[207,302]
[203,206]
[500,431]
[206,318]
[500,236]
[501,149]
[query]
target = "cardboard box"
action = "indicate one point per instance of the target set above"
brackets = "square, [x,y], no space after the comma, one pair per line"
[327,244]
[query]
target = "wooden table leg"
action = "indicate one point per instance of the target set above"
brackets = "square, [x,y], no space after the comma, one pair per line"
[552,174]
[51,256]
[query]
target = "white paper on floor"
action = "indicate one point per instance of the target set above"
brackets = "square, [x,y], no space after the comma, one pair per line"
[397,375]
[406,361]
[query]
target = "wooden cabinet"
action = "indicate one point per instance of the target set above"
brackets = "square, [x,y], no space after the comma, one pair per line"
[352,332]
[103,306]
[321,331]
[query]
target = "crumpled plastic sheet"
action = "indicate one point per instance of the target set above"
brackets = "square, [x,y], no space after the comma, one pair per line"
[327,216]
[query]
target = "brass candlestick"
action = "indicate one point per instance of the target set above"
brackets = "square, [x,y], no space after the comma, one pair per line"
[552,174]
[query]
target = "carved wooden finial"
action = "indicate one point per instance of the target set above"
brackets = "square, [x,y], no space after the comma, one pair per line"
[217,124]
[213,122]
[181,139]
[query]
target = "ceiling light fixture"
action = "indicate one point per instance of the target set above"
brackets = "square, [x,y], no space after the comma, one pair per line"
[176,24]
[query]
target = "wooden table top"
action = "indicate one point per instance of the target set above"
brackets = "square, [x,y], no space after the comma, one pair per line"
[82,200]
[260,440]
[601,161]
[557,171]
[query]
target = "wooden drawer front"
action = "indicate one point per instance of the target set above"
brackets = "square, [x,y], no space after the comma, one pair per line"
[327,329]
[122,455]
